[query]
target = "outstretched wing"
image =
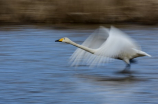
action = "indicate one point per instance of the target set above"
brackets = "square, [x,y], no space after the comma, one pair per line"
[94,41]
[117,45]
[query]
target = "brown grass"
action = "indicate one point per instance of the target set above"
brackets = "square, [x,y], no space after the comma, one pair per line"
[79,11]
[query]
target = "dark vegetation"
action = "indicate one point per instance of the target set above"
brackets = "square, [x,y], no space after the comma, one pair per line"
[78,11]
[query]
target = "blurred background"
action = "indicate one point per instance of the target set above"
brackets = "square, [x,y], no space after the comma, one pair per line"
[79,11]
[35,70]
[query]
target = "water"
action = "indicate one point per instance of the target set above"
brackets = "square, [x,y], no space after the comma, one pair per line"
[34,69]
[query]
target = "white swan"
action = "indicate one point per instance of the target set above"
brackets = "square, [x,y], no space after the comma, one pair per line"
[104,45]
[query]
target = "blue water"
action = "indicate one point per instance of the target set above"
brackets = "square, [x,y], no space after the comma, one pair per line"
[34,69]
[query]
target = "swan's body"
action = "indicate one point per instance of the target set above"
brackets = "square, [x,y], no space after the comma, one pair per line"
[104,45]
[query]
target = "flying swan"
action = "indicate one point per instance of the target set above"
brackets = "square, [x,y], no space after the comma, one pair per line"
[103,45]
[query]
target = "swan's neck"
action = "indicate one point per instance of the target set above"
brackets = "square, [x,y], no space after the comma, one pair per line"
[82,47]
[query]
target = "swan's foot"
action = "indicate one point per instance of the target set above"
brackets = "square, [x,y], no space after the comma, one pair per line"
[126,70]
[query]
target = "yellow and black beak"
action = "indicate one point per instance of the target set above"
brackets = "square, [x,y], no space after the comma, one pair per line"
[60,40]
[57,41]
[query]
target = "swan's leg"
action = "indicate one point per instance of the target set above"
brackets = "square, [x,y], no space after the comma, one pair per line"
[128,65]
[127,69]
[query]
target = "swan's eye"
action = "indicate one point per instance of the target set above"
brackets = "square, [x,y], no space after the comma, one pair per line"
[60,40]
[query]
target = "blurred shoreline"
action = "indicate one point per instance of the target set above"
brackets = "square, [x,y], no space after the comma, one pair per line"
[16,12]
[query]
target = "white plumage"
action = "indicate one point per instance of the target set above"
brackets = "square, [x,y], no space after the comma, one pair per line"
[104,45]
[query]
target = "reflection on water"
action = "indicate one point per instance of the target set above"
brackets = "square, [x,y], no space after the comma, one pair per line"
[34,69]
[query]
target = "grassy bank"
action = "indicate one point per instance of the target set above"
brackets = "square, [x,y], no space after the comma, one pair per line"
[78,11]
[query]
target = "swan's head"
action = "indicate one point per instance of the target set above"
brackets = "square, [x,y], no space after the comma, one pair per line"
[65,39]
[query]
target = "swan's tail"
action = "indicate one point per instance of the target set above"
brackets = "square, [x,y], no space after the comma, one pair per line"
[141,53]
[144,53]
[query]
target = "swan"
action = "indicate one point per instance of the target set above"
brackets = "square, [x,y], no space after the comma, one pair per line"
[104,45]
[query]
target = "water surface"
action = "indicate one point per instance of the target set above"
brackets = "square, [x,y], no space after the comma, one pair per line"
[34,69]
